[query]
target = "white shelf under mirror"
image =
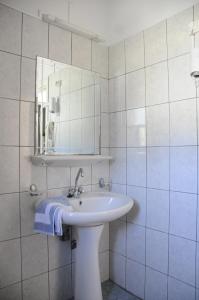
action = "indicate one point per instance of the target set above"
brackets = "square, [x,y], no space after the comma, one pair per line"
[68,160]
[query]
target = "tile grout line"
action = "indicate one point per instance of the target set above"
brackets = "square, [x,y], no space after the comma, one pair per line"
[126,224]
[197,220]
[20,76]
[146,156]
[169,187]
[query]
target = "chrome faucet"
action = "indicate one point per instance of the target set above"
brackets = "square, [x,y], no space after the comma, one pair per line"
[77,190]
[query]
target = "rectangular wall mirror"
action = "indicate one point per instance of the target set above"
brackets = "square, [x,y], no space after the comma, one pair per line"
[67,109]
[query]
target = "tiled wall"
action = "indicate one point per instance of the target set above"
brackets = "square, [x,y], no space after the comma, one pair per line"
[33,266]
[154,138]
[77,127]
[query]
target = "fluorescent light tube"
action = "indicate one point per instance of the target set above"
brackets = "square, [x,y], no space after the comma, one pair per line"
[73,28]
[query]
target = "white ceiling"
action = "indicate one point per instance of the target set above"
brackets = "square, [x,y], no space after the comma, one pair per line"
[115,19]
[129,17]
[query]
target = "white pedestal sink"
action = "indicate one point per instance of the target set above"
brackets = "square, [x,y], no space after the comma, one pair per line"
[90,212]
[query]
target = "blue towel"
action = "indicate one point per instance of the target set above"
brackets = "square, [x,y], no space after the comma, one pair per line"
[48,215]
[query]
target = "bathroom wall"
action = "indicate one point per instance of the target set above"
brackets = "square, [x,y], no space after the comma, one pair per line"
[33,266]
[77,126]
[154,138]
[90,14]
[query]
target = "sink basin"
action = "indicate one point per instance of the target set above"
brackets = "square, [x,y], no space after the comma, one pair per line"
[88,213]
[96,208]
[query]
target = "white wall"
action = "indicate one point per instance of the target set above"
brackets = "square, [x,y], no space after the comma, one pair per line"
[132,16]
[88,13]
[31,7]
[154,253]
[115,19]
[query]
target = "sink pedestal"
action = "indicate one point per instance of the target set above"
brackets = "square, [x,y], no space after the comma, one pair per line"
[87,273]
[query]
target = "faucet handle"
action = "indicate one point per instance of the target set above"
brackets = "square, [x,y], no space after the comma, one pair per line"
[80,189]
[71,192]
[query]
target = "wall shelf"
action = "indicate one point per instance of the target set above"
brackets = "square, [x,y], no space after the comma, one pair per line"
[68,160]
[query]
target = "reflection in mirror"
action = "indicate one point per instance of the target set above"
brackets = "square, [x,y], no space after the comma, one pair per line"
[67,109]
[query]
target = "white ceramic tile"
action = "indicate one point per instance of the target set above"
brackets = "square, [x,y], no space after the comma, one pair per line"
[118,237]
[29,173]
[9,75]
[181,85]
[104,241]
[117,269]
[135,89]
[182,254]
[80,78]
[60,284]
[82,180]
[104,265]
[178,290]
[104,95]
[10,262]
[64,114]
[9,166]
[134,49]
[183,207]
[156,285]
[198,223]
[27,209]
[118,165]
[27,124]
[58,177]
[11,292]
[117,94]
[100,59]
[100,170]
[136,128]
[118,129]
[155,43]
[183,123]
[96,131]
[36,288]
[56,192]
[76,130]
[59,44]
[136,166]
[35,37]
[157,84]
[136,242]
[97,94]
[197,294]
[81,52]
[88,102]
[9,216]
[75,105]
[118,188]
[197,265]
[59,252]
[116,60]
[158,209]
[28,67]
[158,125]
[105,130]
[178,33]
[9,121]
[10,23]
[157,250]
[135,278]
[196,16]
[34,255]
[137,214]
[158,167]
[183,176]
